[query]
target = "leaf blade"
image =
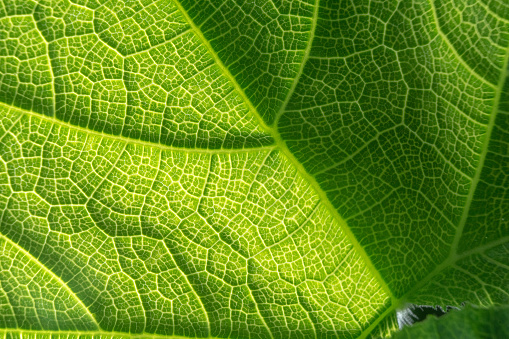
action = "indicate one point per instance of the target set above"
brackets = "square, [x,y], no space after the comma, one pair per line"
[184,187]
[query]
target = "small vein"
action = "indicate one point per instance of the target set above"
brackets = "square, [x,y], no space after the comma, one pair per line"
[156,45]
[453,49]
[193,289]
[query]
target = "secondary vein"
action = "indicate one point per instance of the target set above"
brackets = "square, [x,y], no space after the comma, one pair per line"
[461,226]
[131,141]
[57,278]
[223,68]
[307,52]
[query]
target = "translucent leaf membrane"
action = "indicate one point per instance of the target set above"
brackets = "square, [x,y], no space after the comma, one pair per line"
[176,243]
[265,169]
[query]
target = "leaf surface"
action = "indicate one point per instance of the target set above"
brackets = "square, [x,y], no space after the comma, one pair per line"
[269,169]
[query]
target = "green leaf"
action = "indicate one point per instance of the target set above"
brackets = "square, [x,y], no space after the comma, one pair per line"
[261,169]
[474,323]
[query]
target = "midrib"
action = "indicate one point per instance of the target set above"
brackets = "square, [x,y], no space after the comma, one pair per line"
[281,145]
[332,210]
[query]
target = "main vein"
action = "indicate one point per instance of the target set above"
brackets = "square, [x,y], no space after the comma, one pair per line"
[281,144]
